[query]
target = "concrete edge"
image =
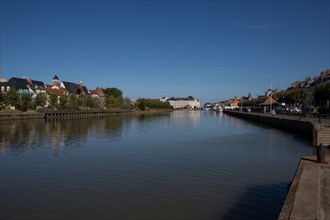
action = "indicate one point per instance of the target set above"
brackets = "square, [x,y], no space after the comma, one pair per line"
[291,195]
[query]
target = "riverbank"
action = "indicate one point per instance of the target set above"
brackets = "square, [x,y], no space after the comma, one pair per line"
[56,114]
[318,130]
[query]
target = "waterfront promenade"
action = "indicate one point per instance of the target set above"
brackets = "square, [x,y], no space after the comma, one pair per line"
[309,193]
[317,129]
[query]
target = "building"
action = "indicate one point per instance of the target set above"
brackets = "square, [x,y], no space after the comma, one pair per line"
[23,85]
[66,88]
[77,89]
[97,93]
[182,103]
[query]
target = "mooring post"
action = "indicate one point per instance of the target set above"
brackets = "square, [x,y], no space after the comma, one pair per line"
[320,153]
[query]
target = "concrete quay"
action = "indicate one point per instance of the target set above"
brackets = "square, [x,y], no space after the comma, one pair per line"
[317,129]
[309,195]
[60,114]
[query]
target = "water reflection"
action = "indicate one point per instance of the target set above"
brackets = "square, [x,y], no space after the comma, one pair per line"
[191,117]
[58,133]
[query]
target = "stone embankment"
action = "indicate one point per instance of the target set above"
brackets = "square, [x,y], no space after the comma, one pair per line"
[316,129]
[52,114]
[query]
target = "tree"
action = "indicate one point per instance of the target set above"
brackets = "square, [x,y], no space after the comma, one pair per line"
[152,103]
[53,100]
[141,104]
[81,100]
[127,103]
[254,102]
[12,98]
[25,102]
[292,96]
[113,92]
[63,101]
[73,102]
[40,100]
[322,93]
[111,102]
[2,100]
[90,102]
[298,96]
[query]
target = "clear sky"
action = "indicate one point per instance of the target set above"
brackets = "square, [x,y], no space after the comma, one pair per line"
[212,50]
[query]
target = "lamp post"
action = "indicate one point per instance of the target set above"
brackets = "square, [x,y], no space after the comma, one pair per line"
[270,108]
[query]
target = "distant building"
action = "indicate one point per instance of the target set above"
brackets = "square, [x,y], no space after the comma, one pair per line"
[55,87]
[234,103]
[5,87]
[97,93]
[66,88]
[23,85]
[77,89]
[182,103]
[325,73]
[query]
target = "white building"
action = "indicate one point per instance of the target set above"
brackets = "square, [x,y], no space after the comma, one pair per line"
[186,103]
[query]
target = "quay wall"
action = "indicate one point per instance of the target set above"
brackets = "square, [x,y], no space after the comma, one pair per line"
[16,116]
[294,125]
[52,114]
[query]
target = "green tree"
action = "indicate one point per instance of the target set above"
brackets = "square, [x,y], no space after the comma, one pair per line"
[90,102]
[12,98]
[2,100]
[322,93]
[141,104]
[111,102]
[297,96]
[292,96]
[254,102]
[40,100]
[113,92]
[63,102]
[25,102]
[153,103]
[73,102]
[127,103]
[53,101]
[81,100]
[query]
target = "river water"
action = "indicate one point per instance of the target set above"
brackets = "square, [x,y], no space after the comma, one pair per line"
[176,165]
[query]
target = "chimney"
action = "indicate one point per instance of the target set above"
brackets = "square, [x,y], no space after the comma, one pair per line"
[80,84]
[29,80]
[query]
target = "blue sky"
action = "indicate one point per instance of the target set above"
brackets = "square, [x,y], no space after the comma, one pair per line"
[212,50]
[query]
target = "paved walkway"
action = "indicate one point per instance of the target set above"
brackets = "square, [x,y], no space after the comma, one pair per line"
[309,194]
[297,117]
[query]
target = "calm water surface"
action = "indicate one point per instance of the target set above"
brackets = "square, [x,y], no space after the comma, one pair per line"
[180,165]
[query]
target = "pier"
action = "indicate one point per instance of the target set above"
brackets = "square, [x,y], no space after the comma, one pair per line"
[317,129]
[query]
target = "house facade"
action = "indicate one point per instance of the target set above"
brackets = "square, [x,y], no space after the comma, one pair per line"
[23,86]
[66,88]
[182,103]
